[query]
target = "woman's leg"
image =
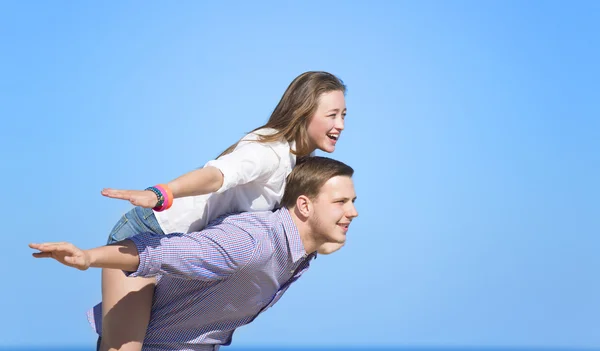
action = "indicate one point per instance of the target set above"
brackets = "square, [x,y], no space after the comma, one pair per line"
[126,302]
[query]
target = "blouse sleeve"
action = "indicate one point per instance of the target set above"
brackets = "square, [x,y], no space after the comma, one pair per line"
[251,161]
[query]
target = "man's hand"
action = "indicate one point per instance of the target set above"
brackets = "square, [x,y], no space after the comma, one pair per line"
[65,253]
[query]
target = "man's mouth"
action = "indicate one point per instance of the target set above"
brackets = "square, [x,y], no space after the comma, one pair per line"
[344,226]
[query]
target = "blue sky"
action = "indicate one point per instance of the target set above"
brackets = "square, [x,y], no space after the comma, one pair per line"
[473,128]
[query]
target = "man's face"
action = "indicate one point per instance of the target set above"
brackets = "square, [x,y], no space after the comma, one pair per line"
[333,210]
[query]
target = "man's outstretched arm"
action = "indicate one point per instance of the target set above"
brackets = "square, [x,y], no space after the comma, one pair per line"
[210,255]
[122,255]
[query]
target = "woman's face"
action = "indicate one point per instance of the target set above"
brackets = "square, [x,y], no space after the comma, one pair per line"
[326,125]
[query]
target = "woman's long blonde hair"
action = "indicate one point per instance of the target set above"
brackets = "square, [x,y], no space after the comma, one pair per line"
[293,112]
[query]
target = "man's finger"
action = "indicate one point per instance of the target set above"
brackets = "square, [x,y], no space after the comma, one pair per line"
[42,255]
[52,247]
[70,259]
[38,246]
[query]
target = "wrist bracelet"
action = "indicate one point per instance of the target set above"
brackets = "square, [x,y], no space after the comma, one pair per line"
[164,195]
[159,196]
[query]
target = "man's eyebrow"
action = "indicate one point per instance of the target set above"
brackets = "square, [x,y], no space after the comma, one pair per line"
[344,198]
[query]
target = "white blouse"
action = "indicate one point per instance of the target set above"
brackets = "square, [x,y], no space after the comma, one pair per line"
[254,176]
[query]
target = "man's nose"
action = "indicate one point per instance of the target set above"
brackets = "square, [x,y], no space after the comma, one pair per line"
[352,212]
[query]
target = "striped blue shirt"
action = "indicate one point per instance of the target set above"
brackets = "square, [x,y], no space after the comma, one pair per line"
[216,280]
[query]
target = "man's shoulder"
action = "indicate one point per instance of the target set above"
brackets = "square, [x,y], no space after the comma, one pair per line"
[249,231]
[228,233]
[259,220]
[255,222]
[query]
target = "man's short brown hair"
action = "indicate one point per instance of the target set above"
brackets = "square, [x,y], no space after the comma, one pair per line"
[309,175]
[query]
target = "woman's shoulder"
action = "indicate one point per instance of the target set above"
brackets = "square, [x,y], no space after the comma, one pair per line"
[265,132]
[255,135]
[281,147]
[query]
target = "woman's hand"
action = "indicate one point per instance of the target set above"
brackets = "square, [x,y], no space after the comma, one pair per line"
[142,198]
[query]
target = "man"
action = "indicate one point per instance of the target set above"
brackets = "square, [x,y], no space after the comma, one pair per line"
[216,280]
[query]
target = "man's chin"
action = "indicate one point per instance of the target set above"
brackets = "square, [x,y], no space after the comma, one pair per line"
[328,248]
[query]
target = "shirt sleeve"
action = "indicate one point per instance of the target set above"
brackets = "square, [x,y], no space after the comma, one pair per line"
[210,255]
[249,162]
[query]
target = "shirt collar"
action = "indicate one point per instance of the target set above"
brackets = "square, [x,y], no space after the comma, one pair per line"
[292,234]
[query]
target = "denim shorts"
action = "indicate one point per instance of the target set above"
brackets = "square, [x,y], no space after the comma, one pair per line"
[136,221]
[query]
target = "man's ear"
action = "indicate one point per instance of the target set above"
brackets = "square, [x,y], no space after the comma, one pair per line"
[303,205]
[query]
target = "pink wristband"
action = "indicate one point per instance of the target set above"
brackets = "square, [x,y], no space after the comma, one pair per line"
[165,195]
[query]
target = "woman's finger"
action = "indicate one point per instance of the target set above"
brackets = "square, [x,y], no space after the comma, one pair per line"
[117,194]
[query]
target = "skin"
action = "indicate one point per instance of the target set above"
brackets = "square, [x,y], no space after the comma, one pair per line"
[324,221]
[328,121]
